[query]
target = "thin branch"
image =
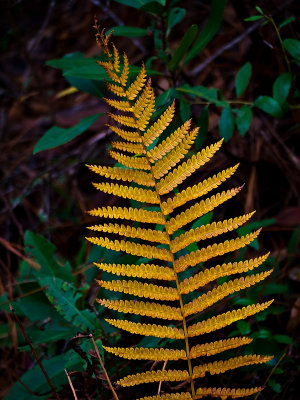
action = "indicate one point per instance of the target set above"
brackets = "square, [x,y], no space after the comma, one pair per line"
[103,368]
[34,352]
[71,385]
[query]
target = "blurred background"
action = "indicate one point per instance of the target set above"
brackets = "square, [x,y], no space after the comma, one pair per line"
[233,68]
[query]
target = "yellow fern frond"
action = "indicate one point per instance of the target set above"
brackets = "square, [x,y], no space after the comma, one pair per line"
[159,126]
[128,192]
[116,58]
[108,66]
[179,174]
[220,292]
[153,310]
[140,289]
[137,85]
[119,104]
[136,249]
[160,331]
[199,209]
[225,319]
[126,135]
[154,376]
[219,367]
[208,275]
[135,148]
[196,191]
[124,174]
[225,393]
[129,161]
[144,118]
[143,100]
[125,230]
[212,348]
[171,396]
[134,214]
[116,89]
[124,120]
[146,271]
[162,166]
[168,144]
[125,72]
[204,254]
[207,231]
[142,353]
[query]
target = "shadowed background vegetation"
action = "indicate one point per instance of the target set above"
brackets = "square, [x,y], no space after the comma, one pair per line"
[231,66]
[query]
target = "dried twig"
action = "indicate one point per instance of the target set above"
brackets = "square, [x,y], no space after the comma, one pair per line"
[103,368]
[71,385]
[34,352]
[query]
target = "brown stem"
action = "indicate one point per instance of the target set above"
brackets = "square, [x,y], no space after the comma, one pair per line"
[34,352]
[71,385]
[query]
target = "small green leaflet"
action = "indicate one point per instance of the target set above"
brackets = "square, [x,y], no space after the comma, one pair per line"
[183,47]
[175,16]
[293,47]
[243,119]
[226,124]
[281,87]
[56,136]
[128,31]
[269,105]
[242,79]
[210,29]
[139,3]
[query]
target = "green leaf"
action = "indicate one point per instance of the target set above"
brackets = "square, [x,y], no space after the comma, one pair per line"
[56,136]
[274,385]
[269,105]
[281,87]
[226,124]
[152,8]
[283,339]
[293,47]
[243,119]
[183,47]
[242,79]
[175,16]
[243,327]
[139,3]
[210,95]
[210,29]
[63,295]
[259,10]
[184,110]
[128,31]
[42,250]
[203,123]
[253,18]
[286,22]
[36,381]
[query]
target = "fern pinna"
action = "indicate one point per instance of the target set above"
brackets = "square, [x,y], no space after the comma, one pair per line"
[154,168]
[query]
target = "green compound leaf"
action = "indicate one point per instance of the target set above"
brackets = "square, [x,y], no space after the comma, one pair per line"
[128,31]
[183,47]
[57,136]
[64,296]
[242,79]
[269,105]
[210,29]
[243,119]
[293,47]
[281,87]
[226,124]
[175,16]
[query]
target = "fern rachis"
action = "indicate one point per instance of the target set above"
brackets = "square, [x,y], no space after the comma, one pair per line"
[153,170]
